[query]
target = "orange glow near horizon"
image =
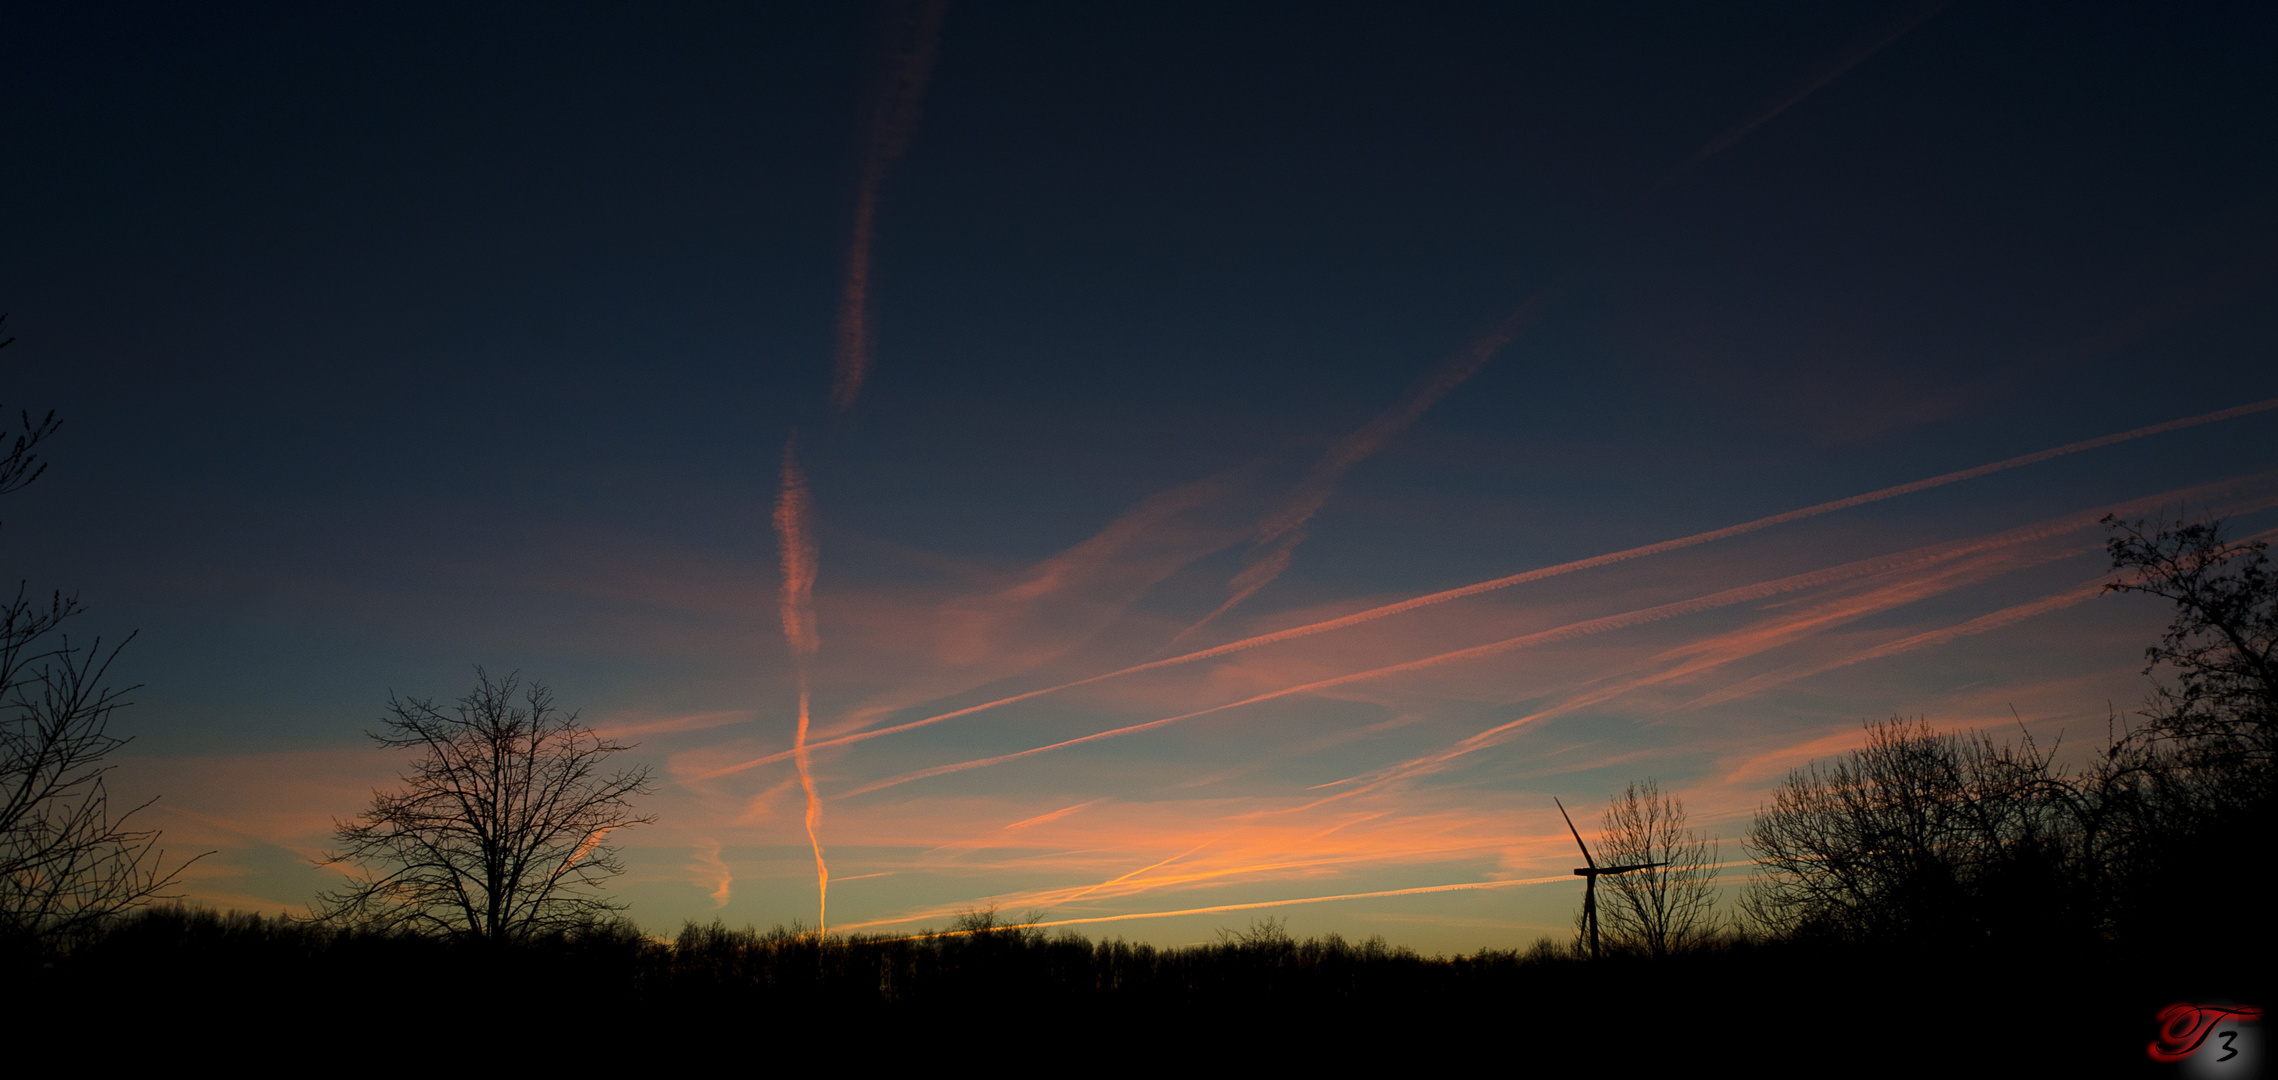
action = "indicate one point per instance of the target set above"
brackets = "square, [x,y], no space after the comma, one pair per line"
[1220,909]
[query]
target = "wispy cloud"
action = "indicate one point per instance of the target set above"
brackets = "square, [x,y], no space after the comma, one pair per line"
[1219,909]
[1052,607]
[1918,573]
[1593,562]
[1277,537]
[909,39]
[1717,651]
[1826,70]
[710,869]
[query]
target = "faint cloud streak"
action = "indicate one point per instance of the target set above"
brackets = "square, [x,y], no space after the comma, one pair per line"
[1827,70]
[908,42]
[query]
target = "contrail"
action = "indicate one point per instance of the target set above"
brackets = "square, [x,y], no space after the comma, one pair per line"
[1053,816]
[1195,877]
[909,41]
[1121,878]
[1277,538]
[1221,908]
[592,840]
[2055,602]
[1826,71]
[1910,560]
[1991,621]
[795,540]
[1429,599]
[1981,624]
[1279,534]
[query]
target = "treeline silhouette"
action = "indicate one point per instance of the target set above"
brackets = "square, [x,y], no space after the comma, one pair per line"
[1794,1005]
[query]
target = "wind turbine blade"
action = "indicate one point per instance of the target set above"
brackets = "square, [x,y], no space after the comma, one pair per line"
[1577,836]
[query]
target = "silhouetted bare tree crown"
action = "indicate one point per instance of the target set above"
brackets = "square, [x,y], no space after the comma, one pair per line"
[1917,833]
[500,832]
[1667,906]
[65,861]
[2221,647]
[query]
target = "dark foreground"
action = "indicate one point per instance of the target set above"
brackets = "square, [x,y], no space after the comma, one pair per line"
[200,980]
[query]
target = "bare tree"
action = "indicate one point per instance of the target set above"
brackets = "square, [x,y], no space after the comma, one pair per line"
[66,861]
[21,464]
[2221,708]
[500,833]
[1666,907]
[1921,833]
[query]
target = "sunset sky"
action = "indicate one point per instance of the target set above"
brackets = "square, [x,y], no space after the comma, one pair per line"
[1744,375]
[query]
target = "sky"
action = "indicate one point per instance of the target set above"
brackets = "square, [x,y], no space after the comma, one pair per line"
[1154,466]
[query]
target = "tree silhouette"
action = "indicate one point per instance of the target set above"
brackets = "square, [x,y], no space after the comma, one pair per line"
[1921,834]
[2221,647]
[499,835]
[22,465]
[65,861]
[2192,793]
[1666,907]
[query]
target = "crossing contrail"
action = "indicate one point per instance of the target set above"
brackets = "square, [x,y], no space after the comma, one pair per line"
[1593,562]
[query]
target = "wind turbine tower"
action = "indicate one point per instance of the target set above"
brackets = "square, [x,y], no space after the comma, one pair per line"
[1590,874]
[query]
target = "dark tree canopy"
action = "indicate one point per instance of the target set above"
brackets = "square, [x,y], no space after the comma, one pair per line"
[2191,794]
[1918,834]
[2221,647]
[1960,837]
[499,833]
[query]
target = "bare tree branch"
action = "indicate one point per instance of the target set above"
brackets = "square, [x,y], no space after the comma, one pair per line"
[500,833]
[1666,907]
[66,861]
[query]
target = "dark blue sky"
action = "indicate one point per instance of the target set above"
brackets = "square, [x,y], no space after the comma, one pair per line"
[393,339]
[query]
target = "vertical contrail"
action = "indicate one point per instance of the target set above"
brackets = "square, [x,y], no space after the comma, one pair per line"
[795,539]
[908,40]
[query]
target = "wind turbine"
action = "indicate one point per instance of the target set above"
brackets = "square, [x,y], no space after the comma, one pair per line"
[1590,874]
